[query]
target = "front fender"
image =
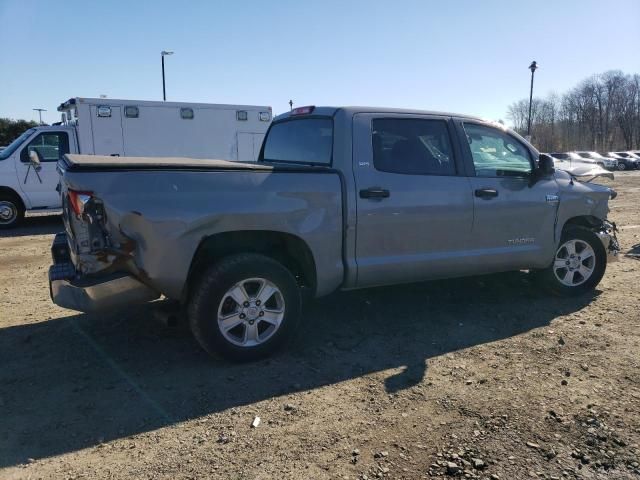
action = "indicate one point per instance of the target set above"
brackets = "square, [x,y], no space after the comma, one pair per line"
[587,202]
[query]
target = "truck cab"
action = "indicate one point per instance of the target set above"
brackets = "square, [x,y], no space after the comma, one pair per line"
[27,185]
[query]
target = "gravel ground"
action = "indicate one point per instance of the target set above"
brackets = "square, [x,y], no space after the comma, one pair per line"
[479,378]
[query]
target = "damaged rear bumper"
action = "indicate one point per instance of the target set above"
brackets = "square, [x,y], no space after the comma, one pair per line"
[91,293]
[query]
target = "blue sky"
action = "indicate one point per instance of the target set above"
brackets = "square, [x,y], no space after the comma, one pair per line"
[463,56]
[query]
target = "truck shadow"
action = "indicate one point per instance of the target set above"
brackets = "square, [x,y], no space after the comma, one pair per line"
[74,382]
[634,251]
[36,225]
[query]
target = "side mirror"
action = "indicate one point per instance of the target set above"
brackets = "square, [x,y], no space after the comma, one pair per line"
[35,159]
[545,164]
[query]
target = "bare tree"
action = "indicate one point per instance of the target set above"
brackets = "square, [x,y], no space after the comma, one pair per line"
[601,113]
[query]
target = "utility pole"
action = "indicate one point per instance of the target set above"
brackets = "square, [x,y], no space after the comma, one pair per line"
[533,68]
[163,54]
[40,110]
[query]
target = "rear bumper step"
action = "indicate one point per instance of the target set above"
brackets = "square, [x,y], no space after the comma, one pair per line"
[91,294]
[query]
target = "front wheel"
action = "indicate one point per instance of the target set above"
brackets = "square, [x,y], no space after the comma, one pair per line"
[244,307]
[621,166]
[11,212]
[579,263]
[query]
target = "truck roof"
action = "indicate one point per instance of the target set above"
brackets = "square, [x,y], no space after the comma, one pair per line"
[64,106]
[350,110]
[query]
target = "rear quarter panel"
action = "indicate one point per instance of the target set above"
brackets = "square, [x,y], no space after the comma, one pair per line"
[168,213]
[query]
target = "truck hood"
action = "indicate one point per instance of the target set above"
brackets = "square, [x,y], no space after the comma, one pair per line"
[585,172]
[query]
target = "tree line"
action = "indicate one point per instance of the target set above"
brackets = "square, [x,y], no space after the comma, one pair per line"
[601,113]
[12,129]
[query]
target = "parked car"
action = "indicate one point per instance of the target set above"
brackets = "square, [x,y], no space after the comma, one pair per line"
[585,169]
[605,162]
[341,198]
[122,127]
[571,158]
[624,163]
[631,155]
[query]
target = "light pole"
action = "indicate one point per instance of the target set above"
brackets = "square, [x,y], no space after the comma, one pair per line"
[290,104]
[40,110]
[163,54]
[533,68]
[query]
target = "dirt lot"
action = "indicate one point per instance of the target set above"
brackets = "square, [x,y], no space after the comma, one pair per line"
[483,378]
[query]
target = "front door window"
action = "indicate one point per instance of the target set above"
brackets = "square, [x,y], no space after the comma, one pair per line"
[496,153]
[51,146]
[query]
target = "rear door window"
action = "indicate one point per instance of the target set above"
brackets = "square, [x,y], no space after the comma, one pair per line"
[412,147]
[304,140]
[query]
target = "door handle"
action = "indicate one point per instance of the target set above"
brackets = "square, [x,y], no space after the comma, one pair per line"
[374,192]
[486,193]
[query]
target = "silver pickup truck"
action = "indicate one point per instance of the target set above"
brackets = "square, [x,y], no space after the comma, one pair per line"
[341,198]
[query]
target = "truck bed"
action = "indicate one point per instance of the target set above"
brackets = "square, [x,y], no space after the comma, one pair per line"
[76,163]
[160,210]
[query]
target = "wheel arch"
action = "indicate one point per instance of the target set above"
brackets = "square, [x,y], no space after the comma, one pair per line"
[12,193]
[288,249]
[589,222]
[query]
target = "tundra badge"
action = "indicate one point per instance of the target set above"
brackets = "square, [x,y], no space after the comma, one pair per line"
[521,241]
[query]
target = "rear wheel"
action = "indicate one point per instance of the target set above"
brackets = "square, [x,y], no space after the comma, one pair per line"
[621,166]
[11,211]
[244,307]
[579,263]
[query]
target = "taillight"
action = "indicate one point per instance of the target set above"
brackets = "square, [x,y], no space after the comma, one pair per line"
[79,200]
[302,110]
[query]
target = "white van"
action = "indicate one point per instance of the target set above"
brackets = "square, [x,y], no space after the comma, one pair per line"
[98,126]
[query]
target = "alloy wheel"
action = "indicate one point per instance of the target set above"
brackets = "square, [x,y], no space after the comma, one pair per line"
[251,312]
[574,263]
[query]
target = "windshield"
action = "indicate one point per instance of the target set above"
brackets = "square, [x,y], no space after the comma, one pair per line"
[574,156]
[304,140]
[594,155]
[6,153]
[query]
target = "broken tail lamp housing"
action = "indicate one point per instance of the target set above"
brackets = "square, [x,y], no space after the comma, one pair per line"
[79,200]
[303,110]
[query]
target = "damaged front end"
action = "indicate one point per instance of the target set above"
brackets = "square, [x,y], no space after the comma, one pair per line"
[585,172]
[606,232]
[91,269]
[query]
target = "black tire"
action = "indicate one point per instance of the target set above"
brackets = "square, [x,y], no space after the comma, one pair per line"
[547,278]
[211,289]
[14,205]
